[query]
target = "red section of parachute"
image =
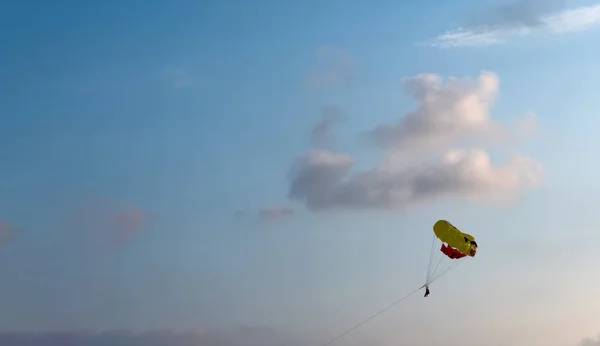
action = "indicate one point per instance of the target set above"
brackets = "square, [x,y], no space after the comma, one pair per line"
[451,252]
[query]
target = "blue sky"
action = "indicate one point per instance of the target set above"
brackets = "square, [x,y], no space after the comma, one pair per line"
[142,142]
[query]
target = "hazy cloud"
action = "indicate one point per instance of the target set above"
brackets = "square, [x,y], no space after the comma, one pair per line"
[7,232]
[179,77]
[275,214]
[423,162]
[321,134]
[242,337]
[335,66]
[129,223]
[106,220]
[590,342]
[517,13]
[521,23]
[239,214]
[528,126]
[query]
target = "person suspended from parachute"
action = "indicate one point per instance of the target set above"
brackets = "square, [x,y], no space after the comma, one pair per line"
[455,246]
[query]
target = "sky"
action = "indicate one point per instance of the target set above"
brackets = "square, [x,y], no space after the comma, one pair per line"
[233,173]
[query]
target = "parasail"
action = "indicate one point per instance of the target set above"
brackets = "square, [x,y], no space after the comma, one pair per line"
[450,246]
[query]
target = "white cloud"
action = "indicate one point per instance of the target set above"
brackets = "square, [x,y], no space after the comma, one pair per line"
[566,21]
[458,110]
[423,162]
[575,20]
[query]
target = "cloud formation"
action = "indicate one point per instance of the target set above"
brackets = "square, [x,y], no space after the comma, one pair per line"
[460,109]
[423,162]
[335,67]
[561,22]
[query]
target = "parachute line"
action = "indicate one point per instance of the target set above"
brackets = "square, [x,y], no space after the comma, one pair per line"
[450,267]
[430,268]
[439,263]
[372,316]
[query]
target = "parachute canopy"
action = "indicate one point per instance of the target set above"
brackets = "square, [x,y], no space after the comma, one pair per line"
[463,242]
[455,246]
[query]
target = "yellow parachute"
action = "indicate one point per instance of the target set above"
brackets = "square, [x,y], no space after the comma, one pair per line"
[455,246]
[452,236]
